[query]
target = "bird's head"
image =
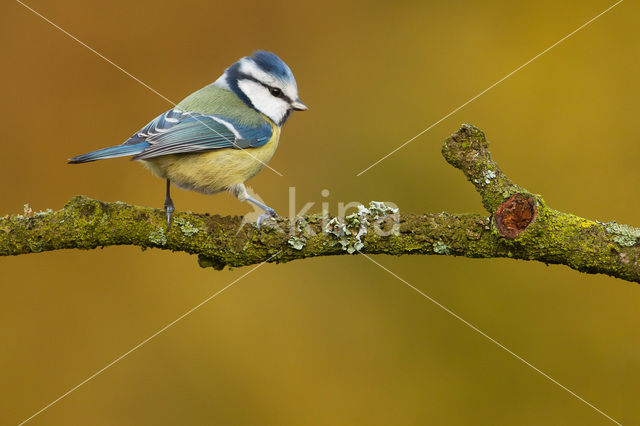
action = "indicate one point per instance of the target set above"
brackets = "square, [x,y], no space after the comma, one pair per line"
[264,82]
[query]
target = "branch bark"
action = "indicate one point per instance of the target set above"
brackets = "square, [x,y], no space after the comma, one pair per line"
[520,226]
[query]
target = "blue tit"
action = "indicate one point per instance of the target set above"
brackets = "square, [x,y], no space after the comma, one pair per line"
[220,136]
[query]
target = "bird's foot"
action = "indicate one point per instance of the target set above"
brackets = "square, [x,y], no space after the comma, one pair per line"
[269,214]
[169,209]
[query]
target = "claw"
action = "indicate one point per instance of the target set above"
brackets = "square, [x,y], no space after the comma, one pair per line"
[168,204]
[269,214]
[169,209]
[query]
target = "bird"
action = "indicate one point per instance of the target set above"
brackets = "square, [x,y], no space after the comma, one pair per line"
[220,136]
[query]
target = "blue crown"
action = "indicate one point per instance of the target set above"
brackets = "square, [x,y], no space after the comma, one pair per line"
[272,64]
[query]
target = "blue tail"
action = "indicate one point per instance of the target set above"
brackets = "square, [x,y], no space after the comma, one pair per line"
[111,152]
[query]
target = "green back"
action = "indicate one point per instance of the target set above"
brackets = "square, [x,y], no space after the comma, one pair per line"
[216,100]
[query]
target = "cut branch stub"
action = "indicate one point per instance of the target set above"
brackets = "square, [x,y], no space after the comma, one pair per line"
[515,215]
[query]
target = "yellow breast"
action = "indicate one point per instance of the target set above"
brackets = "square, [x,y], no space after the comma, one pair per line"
[214,171]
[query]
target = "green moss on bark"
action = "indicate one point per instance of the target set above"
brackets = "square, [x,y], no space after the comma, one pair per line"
[553,237]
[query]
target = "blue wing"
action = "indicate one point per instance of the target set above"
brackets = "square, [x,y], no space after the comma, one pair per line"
[179,132]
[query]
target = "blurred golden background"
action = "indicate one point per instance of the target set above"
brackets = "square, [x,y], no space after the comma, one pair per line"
[329,341]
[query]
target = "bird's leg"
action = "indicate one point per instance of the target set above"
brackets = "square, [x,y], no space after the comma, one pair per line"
[168,203]
[240,192]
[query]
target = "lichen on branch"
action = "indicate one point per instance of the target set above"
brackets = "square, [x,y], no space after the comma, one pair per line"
[520,226]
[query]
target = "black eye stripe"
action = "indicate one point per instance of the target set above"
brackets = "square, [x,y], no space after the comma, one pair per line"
[266,86]
[243,76]
[280,94]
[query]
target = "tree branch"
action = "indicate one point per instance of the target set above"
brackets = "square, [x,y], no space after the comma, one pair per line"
[523,227]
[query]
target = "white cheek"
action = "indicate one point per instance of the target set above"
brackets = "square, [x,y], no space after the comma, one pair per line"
[272,107]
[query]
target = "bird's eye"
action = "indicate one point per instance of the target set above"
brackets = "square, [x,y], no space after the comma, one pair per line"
[275,92]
